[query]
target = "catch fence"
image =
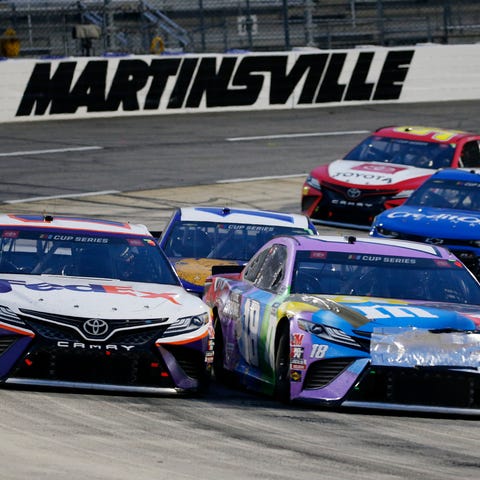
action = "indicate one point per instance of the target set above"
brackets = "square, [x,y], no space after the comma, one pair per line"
[102,27]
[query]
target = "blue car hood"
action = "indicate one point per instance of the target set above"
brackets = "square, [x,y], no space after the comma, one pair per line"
[366,314]
[435,222]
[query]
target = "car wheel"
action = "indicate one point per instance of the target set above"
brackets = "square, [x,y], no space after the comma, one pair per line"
[282,368]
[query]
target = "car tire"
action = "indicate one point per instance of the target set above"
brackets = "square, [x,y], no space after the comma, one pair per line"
[282,368]
[221,375]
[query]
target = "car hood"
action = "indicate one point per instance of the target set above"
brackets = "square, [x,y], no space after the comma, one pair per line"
[436,222]
[98,298]
[194,271]
[372,173]
[368,313]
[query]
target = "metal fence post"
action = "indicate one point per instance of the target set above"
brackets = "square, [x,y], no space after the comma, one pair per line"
[309,23]
[202,25]
[285,25]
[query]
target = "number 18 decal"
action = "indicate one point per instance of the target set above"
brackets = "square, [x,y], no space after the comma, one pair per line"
[251,321]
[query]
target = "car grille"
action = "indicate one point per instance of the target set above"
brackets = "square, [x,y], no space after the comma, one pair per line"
[337,206]
[139,368]
[321,373]
[127,357]
[426,386]
[70,325]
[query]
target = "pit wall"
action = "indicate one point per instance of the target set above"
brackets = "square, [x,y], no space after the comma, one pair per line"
[84,87]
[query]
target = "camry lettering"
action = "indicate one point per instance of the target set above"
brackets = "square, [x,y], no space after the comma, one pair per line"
[224,81]
[393,311]
[88,346]
[346,203]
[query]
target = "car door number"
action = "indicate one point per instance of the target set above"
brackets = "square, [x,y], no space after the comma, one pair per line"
[251,324]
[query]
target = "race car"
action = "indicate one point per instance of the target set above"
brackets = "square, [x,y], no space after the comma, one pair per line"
[444,210]
[197,239]
[351,322]
[95,304]
[382,171]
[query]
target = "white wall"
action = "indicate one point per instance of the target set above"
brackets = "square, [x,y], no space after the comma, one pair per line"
[33,89]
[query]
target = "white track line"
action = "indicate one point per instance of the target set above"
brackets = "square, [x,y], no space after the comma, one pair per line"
[52,150]
[296,135]
[252,179]
[70,195]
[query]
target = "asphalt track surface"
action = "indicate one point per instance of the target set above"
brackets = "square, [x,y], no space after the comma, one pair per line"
[145,167]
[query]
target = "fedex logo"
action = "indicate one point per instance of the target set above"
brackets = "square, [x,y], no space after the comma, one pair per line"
[6,286]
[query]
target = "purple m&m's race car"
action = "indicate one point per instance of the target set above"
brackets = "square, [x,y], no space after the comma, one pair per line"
[351,322]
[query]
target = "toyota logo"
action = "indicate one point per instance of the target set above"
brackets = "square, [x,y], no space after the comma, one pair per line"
[353,193]
[95,327]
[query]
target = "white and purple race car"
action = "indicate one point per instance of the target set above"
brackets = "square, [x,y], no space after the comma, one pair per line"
[357,322]
[93,304]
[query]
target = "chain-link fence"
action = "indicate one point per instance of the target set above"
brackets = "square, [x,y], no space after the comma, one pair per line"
[99,27]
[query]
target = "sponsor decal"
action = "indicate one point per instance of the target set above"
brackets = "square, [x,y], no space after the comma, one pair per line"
[379,168]
[298,365]
[382,259]
[222,81]
[296,339]
[296,353]
[349,177]
[5,286]
[320,255]
[295,376]
[393,311]
[471,219]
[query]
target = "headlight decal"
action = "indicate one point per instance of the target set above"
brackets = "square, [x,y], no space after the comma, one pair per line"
[10,321]
[187,329]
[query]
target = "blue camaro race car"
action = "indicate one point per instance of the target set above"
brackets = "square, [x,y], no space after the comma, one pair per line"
[444,210]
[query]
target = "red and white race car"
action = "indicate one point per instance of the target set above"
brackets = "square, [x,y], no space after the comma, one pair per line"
[382,171]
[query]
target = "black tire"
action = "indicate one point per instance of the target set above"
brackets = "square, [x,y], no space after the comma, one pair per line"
[282,368]
[221,375]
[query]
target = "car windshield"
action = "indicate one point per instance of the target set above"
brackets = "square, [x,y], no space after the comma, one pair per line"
[384,276]
[403,152]
[222,241]
[86,254]
[447,193]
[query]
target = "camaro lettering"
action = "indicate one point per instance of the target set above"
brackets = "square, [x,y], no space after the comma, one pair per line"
[392,311]
[214,81]
[94,346]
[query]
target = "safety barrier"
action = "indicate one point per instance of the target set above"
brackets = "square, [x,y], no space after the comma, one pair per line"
[68,88]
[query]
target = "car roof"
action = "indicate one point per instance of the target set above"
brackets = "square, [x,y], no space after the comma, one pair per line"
[457,174]
[424,133]
[71,223]
[365,245]
[243,215]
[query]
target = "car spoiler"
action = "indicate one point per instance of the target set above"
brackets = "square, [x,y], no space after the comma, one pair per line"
[219,269]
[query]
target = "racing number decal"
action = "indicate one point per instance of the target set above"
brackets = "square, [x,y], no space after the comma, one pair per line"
[441,135]
[251,319]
